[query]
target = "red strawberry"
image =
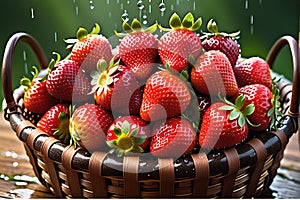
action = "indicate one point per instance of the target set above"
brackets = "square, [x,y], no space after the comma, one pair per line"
[261,97]
[176,46]
[115,88]
[129,134]
[66,82]
[55,122]
[223,42]
[89,48]
[174,138]
[213,74]
[224,124]
[138,48]
[89,125]
[253,70]
[165,95]
[36,98]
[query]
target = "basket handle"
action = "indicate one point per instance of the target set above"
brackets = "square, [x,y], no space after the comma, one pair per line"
[293,45]
[7,64]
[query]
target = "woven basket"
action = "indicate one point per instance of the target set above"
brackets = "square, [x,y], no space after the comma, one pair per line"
[243,171]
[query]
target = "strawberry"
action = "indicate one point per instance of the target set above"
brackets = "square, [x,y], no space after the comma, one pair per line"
[213,74]
[36,97]
[174,138]
[128,134]
[180,43]
[110,82]
[138,48]
[66,82]
[165,95]
[88,127]
[55,122]
[89,48]
[224,42]
[253,70]
[261,97]
[224,124]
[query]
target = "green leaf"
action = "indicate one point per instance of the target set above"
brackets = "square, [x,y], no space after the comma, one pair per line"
[139,140]
[121,35]
[117,132]
[251,124]
[126,27]
[134,132]
[226,108]
[151,29]
[96,29]
[188,21]
[63,116]
[175,21]
[138,149]
[212,26]
[239,102]
[197,24]
[241,121]
[249,110]
[25,82]
[125,127]
[111,143]
[81,33]
[270,111]
[136,25]
[234,115]
[101,65]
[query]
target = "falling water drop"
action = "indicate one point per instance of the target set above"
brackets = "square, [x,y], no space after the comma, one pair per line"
[260,2]
[92,6]
[162,7]
[118,1]
[128,2]
[194,5]
[76,10]
[125,16]
[251,24]
[145,22]
[107,2]
[140,5]
[25,61]
[177,2]
[172,7]
[55,36]
[150,8]
[109,15]
[32,13]
[121,6]
[74,1]
[246,4]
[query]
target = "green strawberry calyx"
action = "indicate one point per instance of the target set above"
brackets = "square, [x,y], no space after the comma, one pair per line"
[187,23]
[81,34]
[214,31]
[237,112]
[62,132]
[102,78]
[26,82]
[135,27]
[127,141]
[274,112]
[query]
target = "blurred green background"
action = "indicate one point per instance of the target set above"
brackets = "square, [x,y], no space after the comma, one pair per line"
[261,23]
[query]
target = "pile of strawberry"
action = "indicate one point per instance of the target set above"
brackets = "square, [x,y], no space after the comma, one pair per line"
[164,96]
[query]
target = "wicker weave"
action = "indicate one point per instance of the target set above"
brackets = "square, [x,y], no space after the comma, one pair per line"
[243,171]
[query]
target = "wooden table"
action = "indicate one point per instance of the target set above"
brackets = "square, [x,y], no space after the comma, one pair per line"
[14,161]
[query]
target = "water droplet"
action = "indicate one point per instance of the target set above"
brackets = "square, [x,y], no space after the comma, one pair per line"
[260,2]
[194,5]
[118,1]
[176,169]
[15,164]
[107,2]
[150,8]
[55,36]
[172,7]
[76,10]
[32,13]
[186,161]
[74,1]
[162,6]
[128,2]
[177,2]
[92,6]
[149,1]
[109,15]
[148,175]
[246,4]
[26,71]
[140,5]
[122,6]
[252,24]
[145,22]
[125,16]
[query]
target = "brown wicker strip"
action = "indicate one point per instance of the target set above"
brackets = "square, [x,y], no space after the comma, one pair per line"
[167,177]
[72,176]
[99,185]
[130,171]
[24,124]
[33,136]
[261,154]
[50,165]
[233,167]
[202,175]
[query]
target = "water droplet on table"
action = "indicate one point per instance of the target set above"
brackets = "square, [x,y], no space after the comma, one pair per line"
[15,164]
